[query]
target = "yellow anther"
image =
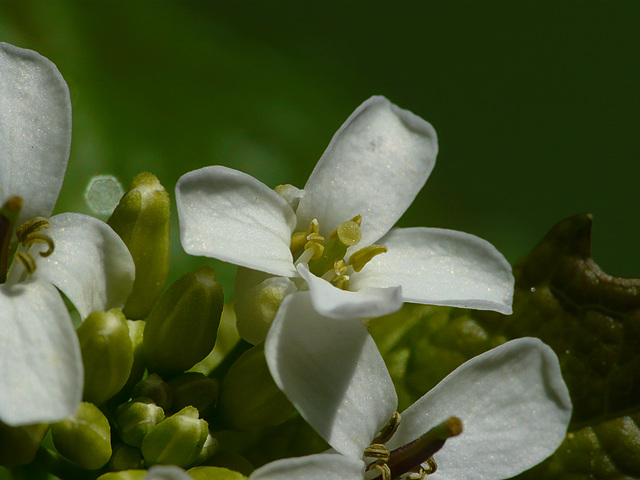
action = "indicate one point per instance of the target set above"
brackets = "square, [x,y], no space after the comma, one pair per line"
[360,258]
[388,430]
[318,249]
[298,239]
[27,262]
[31,226]
[342,282]
[338,269]
[39,237]
[377,450]
[382,467]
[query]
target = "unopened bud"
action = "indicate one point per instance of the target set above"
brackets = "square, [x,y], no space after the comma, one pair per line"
[84,438]
[250,399]
[214,473]
[182,327]
[18,445]
[126,457]
[107,354]
[193,388]
[257,307]
[136,418]
[178,440]
[142,221]
[156,389]
[209,448]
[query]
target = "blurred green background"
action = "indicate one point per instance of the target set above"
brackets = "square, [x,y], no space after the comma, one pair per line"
[535,103]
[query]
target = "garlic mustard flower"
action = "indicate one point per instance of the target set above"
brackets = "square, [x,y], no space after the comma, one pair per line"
[507,409]
[322,237]
[41,372]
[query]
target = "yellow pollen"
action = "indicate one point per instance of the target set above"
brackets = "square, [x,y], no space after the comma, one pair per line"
[360,258]
[299,239]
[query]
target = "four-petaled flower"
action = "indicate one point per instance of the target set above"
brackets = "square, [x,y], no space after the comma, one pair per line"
[512,402]
[369,175]
[41,375]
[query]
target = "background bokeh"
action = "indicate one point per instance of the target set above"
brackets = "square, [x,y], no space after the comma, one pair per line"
[535,103]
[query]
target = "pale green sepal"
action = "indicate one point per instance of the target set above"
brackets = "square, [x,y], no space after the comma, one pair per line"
[182,327]
[178,440]
[136,418]
[84,438]
[107,354]
[250,400]
[142,221]
[214,473]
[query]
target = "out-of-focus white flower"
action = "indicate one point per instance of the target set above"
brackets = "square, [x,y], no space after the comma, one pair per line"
[41,374]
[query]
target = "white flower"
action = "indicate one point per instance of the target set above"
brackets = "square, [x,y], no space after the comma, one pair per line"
[374,167]
[512,401]
[41,374]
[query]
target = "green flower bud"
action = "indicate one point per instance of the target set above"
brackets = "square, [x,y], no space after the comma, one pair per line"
[156,389]
[176,441]
[142,221]
[18,445]
[193,388]
[209,449]
[214,473]
[182,327]
[107,354]
[250,399]
[84,438]
[136,418]
[124,475]
[126,457]
[136,330]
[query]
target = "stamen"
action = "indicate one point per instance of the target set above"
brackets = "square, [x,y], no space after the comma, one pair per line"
[360,258]
[377,450]
[27,262]
[9,213]
[31,226]
[409,457]
[39,237]
[382,467]
[298,239]
[388,430]
[342,282]
[316,248]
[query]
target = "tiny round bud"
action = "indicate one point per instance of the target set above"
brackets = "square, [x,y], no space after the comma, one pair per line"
[126,457]
[136,418]
[178,440]
[84,438]
[196,390]
[156,389]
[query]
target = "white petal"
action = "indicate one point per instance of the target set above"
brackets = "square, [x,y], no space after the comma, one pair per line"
[333,302]
[167,472]
[324,466]
[332,372]
[90,263]
[35,130]
[231,216]
[40,361]
[374,166]
[441,267]
[514,407]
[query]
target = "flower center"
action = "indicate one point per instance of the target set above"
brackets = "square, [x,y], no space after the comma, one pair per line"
[28,234]
[414,458]
[326,259]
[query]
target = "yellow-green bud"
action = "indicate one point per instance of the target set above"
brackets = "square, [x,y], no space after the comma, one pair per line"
[156,389]
[178,440]
[214,473]
[182,327]
[257,307]
[84,438]
[250,399]
[124,475]
[126,457]
[231,460]
[107,354]
[142,221]
[18,445]
[136,418]
[136,330]
[193,388]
